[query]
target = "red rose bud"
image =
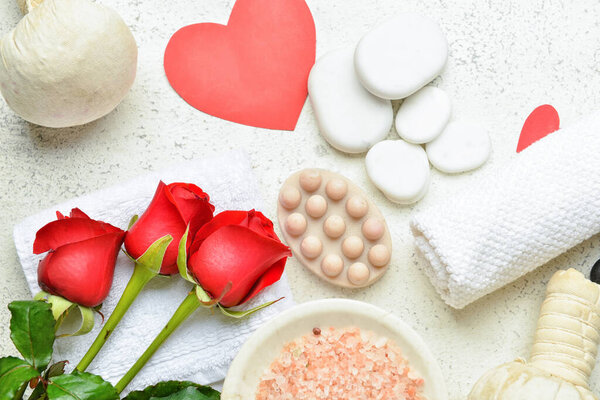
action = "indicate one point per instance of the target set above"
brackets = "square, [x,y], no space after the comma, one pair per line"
[81,259]
[238,248]
[231,259]
[172,209]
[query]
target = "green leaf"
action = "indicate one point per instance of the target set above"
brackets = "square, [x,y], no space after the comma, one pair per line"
[59,305]
[41,295]
[21,391]
[61,308]
[206,301]
[244,313]
[81,386]
[153,257]
[132,221]
[182,257]
[185,394]
[14,373]
[87,321]
[173,390]
[203,297]
[56,369]
[39,393]
[32,331]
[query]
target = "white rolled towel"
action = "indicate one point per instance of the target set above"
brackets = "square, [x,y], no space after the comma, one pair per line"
[516,218]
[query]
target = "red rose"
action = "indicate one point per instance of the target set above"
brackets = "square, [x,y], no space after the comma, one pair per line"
[173,207]
[81,259]
[240,248]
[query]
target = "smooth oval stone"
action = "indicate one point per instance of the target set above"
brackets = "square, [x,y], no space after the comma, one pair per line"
[399,169]
[461,147]
[400,56]
[423,116]
[350,118]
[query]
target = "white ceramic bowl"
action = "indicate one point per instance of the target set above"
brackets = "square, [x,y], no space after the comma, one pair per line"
[257,354]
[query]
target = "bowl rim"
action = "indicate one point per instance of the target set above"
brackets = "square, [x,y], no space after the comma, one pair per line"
[388,320]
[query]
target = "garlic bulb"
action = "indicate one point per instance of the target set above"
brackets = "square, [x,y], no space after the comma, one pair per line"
[564,350]
[67,62]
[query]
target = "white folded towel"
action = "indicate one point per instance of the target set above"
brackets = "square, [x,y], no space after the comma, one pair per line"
[204,346]
[516,218]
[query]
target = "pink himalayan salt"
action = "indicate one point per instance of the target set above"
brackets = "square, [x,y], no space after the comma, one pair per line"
[340,364]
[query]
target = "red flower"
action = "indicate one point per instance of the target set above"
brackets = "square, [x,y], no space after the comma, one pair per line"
[81,259]
[238,247]
[173,207]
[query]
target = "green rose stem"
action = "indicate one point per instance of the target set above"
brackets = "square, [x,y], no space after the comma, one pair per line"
[141,276]
[186,308]
[191,303]
[146,268]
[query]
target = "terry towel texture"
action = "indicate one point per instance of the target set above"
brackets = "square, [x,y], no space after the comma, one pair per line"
[203,346]
[512,220]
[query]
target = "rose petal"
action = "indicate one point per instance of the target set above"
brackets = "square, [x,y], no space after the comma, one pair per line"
[77,213]
[69,230]
[259,223]
[160,219]
[238,255]
[81,272]
[272,275]
[230,217]
[254,220]
[193,204]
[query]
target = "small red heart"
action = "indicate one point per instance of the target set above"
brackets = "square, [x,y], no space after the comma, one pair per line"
[252,71]
[541,122]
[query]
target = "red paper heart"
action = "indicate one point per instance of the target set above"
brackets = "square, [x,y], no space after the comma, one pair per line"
[541,122]
[253,71]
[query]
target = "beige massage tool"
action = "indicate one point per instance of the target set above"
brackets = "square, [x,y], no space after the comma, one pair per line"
[333,228]
[564,350]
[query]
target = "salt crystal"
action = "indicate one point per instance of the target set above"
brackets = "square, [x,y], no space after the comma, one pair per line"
[340,364]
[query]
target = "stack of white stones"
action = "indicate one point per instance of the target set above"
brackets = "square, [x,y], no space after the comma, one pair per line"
[351,91]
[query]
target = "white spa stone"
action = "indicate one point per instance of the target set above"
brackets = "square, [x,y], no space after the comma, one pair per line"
[350,118]
[399,169]
[400,56]
[423,116]
[461,147]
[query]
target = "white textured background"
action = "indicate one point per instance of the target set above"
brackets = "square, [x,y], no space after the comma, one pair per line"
[506,57]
